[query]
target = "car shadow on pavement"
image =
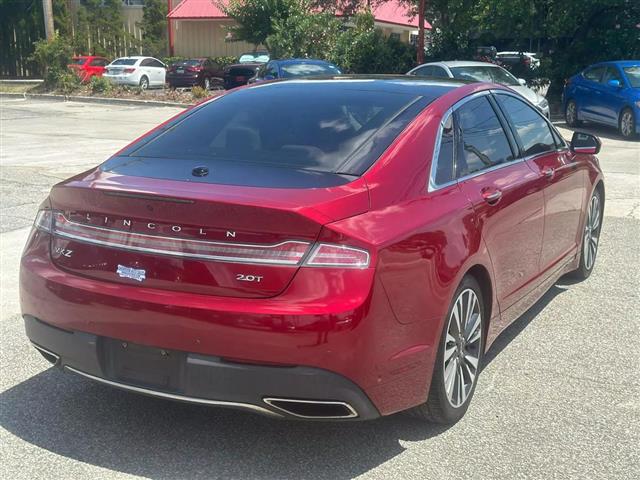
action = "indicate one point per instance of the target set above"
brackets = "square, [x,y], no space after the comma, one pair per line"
[155,438]
[158,439]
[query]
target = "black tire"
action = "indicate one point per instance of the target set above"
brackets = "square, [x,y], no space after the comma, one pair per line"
[438,408]
[588,258]
[571,114]
[627,124]
[144,83]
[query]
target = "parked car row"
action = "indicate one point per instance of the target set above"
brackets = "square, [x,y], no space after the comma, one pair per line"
[607,93]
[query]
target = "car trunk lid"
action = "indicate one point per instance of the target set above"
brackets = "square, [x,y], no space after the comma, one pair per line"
[195,237]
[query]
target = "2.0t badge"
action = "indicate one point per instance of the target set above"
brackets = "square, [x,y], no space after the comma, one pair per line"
[132,273]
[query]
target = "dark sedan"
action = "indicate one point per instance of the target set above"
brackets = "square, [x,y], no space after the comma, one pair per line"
[202,72]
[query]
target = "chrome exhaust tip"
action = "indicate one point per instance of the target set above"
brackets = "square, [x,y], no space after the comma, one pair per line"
[312,409]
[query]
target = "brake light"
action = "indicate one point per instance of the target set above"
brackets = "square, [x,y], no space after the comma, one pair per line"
[329,255]
[284,253]
[43,220]
[129,70]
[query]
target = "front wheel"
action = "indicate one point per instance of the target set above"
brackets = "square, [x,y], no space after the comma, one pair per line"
[590,237]
[459,357]
[627,124]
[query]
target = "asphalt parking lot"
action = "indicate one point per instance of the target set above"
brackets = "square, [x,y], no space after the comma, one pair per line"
[558,399]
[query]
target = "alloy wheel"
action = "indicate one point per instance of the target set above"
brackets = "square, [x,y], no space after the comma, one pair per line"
[626,124]
[462,345]
[144,83]
[591,232]
[207,84]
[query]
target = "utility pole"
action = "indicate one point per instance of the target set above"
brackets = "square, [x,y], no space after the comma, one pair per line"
[421,8]
[47,10]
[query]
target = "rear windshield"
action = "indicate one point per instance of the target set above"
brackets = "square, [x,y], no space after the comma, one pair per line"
[125,61]
[78,60]
[253,58]
[480,73]
[308,69]
[243,71]
[189,63]
[633,75]
[314,126]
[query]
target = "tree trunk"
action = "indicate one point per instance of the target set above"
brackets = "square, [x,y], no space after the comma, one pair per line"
[47,10]
[421,6]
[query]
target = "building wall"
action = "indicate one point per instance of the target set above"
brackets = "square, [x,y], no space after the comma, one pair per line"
[205,38]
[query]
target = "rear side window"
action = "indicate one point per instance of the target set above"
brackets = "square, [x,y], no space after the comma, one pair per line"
[424,71]
[311,127]
[594,74]
[445,162]
[483,141]
[532,130]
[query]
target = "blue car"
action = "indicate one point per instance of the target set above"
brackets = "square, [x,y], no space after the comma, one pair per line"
[607,93]
[294,67]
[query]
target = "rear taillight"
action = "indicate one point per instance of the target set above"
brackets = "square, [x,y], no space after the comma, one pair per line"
[43,220]
[129,70]
[329,255]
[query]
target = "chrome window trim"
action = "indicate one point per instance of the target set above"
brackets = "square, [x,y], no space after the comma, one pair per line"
[433,186]
[171,396]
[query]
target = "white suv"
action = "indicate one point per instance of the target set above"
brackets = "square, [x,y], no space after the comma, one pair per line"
[144,72]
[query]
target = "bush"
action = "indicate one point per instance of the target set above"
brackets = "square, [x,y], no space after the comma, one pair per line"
[52,58]
[198,93]
[68,82]
[100,85]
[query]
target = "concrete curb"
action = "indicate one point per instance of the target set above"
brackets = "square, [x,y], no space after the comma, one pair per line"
[81,99]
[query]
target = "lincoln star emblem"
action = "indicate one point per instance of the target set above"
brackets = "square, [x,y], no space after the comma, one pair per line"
[132,273]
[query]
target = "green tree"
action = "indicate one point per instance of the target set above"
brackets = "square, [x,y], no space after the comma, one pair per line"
[154,28]
[255,19]
[304,33]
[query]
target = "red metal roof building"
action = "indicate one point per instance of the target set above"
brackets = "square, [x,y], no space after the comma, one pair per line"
[197,27]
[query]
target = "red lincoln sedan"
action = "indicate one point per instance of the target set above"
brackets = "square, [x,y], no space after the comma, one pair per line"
[322,249]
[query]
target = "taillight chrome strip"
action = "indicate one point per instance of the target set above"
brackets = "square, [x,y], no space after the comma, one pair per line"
[288,253]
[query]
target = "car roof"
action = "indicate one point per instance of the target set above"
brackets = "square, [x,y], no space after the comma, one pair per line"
[462,63]
[424,86]
[622,63]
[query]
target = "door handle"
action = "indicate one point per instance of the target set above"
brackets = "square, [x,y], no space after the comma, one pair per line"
[549,172]
[491,196]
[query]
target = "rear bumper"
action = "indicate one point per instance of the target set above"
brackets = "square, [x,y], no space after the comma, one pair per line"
[200,379]
[328,320]
[183,80]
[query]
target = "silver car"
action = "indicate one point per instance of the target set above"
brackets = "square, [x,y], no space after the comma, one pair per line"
[482,72]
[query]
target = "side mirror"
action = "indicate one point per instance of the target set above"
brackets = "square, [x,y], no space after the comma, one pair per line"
[585,143]
[522,82]
[614,83]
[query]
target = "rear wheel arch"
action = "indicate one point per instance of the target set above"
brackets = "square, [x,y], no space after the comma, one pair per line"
[481,274]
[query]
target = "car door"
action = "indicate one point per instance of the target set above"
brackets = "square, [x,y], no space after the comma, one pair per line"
[158,71]
[610,100]
[502,189]
[587,92]
[559,176]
